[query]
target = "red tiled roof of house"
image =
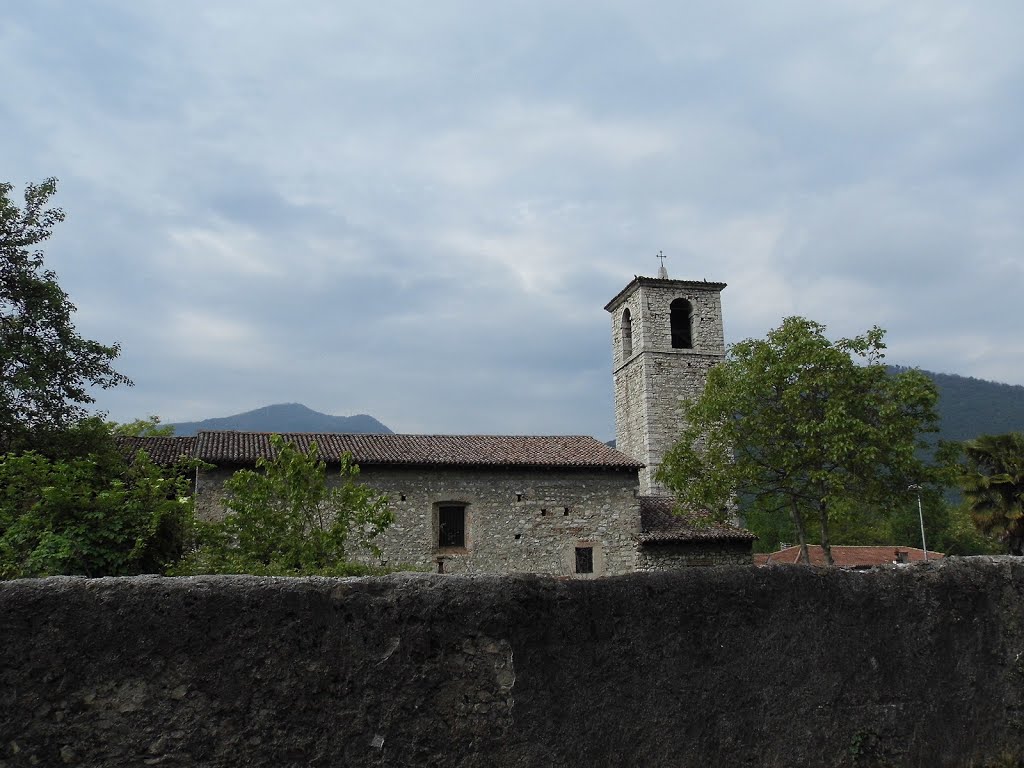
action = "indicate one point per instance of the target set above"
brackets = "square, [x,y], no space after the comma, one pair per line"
[662,522]
[414,450]
[845,556]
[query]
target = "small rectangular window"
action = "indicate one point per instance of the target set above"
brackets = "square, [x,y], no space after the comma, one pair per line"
[584,559]
[451,526]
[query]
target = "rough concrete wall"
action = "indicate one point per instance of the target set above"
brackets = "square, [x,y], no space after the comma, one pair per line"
[506,530]
[732,666]
[667,557]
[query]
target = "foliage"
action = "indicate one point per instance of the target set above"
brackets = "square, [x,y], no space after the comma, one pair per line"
[91,435]
[992,481]
[799,424]
[147,427]
[46,367]
[962,537]
[94,515]
[948,526]
[285,518]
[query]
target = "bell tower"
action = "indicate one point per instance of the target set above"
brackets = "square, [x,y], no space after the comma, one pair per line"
[666,336]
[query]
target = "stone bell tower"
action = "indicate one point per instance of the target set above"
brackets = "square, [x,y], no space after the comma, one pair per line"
[666,336]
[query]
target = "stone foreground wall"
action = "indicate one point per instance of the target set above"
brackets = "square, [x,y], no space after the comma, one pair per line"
[732,666]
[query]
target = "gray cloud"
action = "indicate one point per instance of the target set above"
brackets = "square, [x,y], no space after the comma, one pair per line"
[419,211]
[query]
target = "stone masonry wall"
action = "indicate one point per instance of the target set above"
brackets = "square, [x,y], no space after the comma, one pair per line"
[669,379]
[517,520]
[651,384]
[668,557]
[916,666]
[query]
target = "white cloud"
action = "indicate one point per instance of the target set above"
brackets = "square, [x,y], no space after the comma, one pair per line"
[208,337]
[220,251]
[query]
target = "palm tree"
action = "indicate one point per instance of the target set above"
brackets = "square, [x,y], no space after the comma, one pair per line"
[993,484]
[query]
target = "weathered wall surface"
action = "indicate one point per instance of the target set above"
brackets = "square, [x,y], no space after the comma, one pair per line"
[669,556]
[517,520]
[732,666]
[651,382]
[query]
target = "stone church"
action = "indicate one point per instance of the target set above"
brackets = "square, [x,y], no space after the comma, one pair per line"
[564,506]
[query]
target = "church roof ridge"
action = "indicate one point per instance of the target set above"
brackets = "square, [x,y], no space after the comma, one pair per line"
[368,449]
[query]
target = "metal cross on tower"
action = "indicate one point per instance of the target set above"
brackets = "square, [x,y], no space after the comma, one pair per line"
[662,272]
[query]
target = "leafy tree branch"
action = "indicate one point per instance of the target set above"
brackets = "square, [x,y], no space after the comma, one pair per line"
[797,422]
[286,518]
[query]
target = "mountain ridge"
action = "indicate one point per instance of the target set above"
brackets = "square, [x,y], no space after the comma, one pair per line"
[968,407]
[284,417]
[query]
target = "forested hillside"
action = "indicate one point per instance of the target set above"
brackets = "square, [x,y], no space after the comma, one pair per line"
[970,407]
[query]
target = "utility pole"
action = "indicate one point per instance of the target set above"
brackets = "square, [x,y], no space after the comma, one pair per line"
[920,516]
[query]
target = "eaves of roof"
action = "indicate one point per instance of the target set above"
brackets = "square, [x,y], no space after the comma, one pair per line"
[526,451]
[685,285]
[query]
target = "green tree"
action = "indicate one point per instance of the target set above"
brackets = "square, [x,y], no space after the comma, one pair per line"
[147,427]
[961,536]
[46,367]
[799,424]
[285,518]
[91,515]
[992,481]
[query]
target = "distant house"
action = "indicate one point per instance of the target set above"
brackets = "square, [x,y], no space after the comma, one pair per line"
[560,505]
[847,556]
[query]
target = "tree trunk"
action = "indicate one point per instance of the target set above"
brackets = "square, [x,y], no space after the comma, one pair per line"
[1015,544]
[826,548]
[801,533]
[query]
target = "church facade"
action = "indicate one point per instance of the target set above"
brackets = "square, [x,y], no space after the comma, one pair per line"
[559,505]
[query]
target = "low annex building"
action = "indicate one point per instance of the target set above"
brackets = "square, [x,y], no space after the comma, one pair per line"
[569,506]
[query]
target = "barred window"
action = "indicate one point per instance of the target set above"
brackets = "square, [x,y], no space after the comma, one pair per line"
[584,559]
[451,526]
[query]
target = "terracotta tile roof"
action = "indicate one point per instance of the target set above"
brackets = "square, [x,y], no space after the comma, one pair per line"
[659,523]
[845,556]
[162,450]
[419,450]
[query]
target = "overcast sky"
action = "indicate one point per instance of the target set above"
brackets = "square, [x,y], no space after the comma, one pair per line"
[419,210]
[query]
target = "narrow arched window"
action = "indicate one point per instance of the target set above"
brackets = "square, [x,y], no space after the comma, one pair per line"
[627,334]
[682,324]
